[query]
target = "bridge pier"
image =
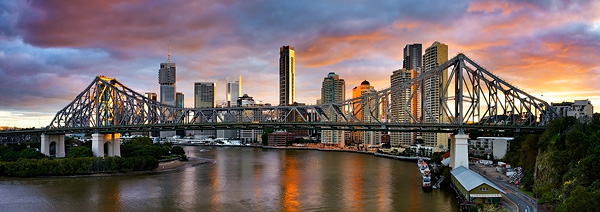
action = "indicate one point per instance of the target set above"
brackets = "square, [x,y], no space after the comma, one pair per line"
[60,145]
[459,151]
[113,147]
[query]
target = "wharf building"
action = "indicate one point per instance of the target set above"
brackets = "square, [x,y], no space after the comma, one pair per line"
[287,75]
[333,90]
[433,87]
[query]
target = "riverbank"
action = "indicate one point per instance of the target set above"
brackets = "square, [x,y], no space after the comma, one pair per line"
[333,149]
[178,164]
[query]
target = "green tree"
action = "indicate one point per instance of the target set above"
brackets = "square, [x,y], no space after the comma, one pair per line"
[31,153]
[178,150]
[581,200]
[265,136]
[79,152]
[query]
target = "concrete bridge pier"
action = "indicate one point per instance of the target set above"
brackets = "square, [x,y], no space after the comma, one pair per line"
[59,141]
[113,144]
[459,150]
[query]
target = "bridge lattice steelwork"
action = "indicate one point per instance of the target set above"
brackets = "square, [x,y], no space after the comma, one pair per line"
[471,99]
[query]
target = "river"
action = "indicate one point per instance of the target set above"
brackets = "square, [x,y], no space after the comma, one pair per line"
[242,179]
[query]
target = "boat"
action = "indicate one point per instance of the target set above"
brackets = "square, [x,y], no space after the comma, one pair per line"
[425,173]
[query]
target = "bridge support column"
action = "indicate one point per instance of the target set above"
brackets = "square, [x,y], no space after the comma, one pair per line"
[459,152]
[112,141]
[59,141]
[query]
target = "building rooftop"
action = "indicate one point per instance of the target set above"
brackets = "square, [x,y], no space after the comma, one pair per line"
[470,180]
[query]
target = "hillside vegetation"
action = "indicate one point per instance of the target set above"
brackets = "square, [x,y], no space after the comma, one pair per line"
[562,166]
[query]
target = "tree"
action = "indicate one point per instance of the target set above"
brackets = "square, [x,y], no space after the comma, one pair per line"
[265,136]
[178,150]
[79,152]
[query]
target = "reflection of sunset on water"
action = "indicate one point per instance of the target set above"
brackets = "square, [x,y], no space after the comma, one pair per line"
[290,180]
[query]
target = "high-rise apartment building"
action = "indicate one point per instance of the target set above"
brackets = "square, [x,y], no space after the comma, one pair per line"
[358,91]
[433,87]
[205,94]
[370,112]
[167,77]
[179,99]
[333,90]
[233,91]
[413,58]
[401,106]
[287,75]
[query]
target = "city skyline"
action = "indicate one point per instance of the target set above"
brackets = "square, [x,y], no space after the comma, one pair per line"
[49,52]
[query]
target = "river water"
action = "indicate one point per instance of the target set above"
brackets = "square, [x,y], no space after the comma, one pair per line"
[242,179]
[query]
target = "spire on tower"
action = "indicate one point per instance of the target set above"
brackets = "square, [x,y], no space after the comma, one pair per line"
[169,55]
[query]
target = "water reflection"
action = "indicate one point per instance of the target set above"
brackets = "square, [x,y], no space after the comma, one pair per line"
[242,179]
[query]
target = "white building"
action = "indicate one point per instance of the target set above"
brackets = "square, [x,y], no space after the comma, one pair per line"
[497,146]
[583,110]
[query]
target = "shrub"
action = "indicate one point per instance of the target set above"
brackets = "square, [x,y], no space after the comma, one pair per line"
[79,152]
[178,150]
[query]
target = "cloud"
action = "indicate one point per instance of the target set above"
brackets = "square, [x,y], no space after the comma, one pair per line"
[51,50]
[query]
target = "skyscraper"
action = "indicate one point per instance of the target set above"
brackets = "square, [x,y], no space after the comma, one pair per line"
[167,79]
[205,97]
[434,56]
[333,90]
[413,56]
[401,106]
[204,94]
[234,89]
[179,99]
[358,91]
[287,75]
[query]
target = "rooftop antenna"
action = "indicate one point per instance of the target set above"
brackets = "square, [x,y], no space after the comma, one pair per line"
[169,56]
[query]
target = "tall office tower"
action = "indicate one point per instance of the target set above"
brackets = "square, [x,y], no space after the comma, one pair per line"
[401,106]
[167,77]
[332,91]
[205,94]
[434,56]
[287,75]
[234,89]
[413,56]
[413,62]
[179,99]
[152,96]
[364,87]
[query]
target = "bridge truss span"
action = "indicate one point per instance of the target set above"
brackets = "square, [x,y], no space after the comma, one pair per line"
[470,97]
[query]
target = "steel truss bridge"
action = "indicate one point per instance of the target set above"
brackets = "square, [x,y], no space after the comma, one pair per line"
[472,99]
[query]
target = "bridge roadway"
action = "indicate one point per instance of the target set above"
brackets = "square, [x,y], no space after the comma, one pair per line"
[523,202]
[389,127]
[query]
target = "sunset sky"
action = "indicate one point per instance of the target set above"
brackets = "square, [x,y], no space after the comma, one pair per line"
[51,50]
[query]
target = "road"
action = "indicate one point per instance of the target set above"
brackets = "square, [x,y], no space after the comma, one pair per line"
[523,202]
